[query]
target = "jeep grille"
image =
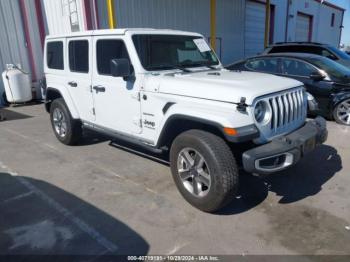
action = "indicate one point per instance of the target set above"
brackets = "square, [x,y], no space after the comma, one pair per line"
[288,112]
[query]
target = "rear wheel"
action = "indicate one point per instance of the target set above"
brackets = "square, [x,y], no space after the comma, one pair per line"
[67,130]
[204,170]
[341,112]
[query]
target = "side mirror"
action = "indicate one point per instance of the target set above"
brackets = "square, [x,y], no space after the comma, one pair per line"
[120,68]
[317,76]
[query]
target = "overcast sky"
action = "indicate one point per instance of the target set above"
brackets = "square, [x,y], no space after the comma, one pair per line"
[346,30]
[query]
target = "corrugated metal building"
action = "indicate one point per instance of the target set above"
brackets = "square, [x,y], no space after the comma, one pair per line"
[239,25]
[235,27]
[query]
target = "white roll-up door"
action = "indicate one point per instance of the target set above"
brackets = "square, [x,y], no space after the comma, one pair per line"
[303,27]
[254,28]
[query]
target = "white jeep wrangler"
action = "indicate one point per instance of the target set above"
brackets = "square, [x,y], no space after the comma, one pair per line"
[167,91]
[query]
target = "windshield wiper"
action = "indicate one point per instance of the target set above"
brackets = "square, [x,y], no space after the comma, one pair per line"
[209,65]
[169,66]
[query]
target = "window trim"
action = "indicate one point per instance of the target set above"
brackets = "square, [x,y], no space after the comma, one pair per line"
[109,39]
[46,54]
[68,47]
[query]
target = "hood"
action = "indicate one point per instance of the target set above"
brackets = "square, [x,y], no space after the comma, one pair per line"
[224,85]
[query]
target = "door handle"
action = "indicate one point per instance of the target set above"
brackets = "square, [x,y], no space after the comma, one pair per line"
[73,84]
[99,89]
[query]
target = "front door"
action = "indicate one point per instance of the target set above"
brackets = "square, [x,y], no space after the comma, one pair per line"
[79,75]
[116,101]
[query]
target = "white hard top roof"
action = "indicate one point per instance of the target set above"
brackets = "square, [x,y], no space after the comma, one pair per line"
[123,31]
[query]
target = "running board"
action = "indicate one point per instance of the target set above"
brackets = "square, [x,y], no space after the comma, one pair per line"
[117,136]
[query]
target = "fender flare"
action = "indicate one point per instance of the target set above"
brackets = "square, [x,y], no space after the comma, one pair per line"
[66,97]
[245,133]
[338,97]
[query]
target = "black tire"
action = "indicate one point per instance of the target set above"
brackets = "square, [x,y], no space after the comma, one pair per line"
[335,113]
[73,128]
[221,165]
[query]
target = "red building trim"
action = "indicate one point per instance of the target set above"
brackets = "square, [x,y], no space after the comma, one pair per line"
[97,26]
[341,29]
[87,15]
[287,23]
[39,16]
[27,37]
[272,24]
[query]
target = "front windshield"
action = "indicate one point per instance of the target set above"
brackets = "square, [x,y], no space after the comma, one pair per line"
[333,69]
[339,53]
[163,52]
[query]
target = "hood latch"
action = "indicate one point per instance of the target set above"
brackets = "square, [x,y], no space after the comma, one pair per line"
[242,106]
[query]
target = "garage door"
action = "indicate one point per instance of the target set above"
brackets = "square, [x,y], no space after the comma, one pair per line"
[303,28]
[254,28]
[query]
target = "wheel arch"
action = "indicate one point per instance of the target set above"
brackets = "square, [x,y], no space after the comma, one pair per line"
[179,123]
[339,97]
[53,93]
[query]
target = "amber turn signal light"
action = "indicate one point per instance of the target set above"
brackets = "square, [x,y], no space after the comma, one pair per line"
[230,131]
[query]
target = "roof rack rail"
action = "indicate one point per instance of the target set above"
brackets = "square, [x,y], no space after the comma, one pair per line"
[314,43]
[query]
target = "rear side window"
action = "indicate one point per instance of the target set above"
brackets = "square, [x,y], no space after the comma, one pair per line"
[267,65]
[79,56]
[297,68]
[54,55]
[108,50]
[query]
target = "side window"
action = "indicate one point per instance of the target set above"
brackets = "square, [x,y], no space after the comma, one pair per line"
[79,56]
[269,65]
[106,50]
[54,55]
[297,68]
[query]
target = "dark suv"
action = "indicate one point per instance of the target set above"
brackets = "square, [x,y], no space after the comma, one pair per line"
[312,48]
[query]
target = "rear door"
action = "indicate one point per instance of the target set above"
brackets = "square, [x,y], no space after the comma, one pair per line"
[79,75]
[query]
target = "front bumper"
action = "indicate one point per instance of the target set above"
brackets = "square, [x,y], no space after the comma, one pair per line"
[285,151]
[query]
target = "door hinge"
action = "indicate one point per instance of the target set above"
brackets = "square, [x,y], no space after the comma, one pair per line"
[137,96]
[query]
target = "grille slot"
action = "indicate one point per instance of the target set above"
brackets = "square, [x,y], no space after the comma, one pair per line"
[288,111]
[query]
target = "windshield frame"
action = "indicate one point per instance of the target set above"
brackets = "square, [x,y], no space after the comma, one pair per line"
[177,67]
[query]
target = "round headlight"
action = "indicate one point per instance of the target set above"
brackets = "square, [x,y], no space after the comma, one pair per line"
[261,112]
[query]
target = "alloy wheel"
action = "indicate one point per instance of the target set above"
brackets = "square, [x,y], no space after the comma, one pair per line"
[194,172]
[60,122]
[343,112]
